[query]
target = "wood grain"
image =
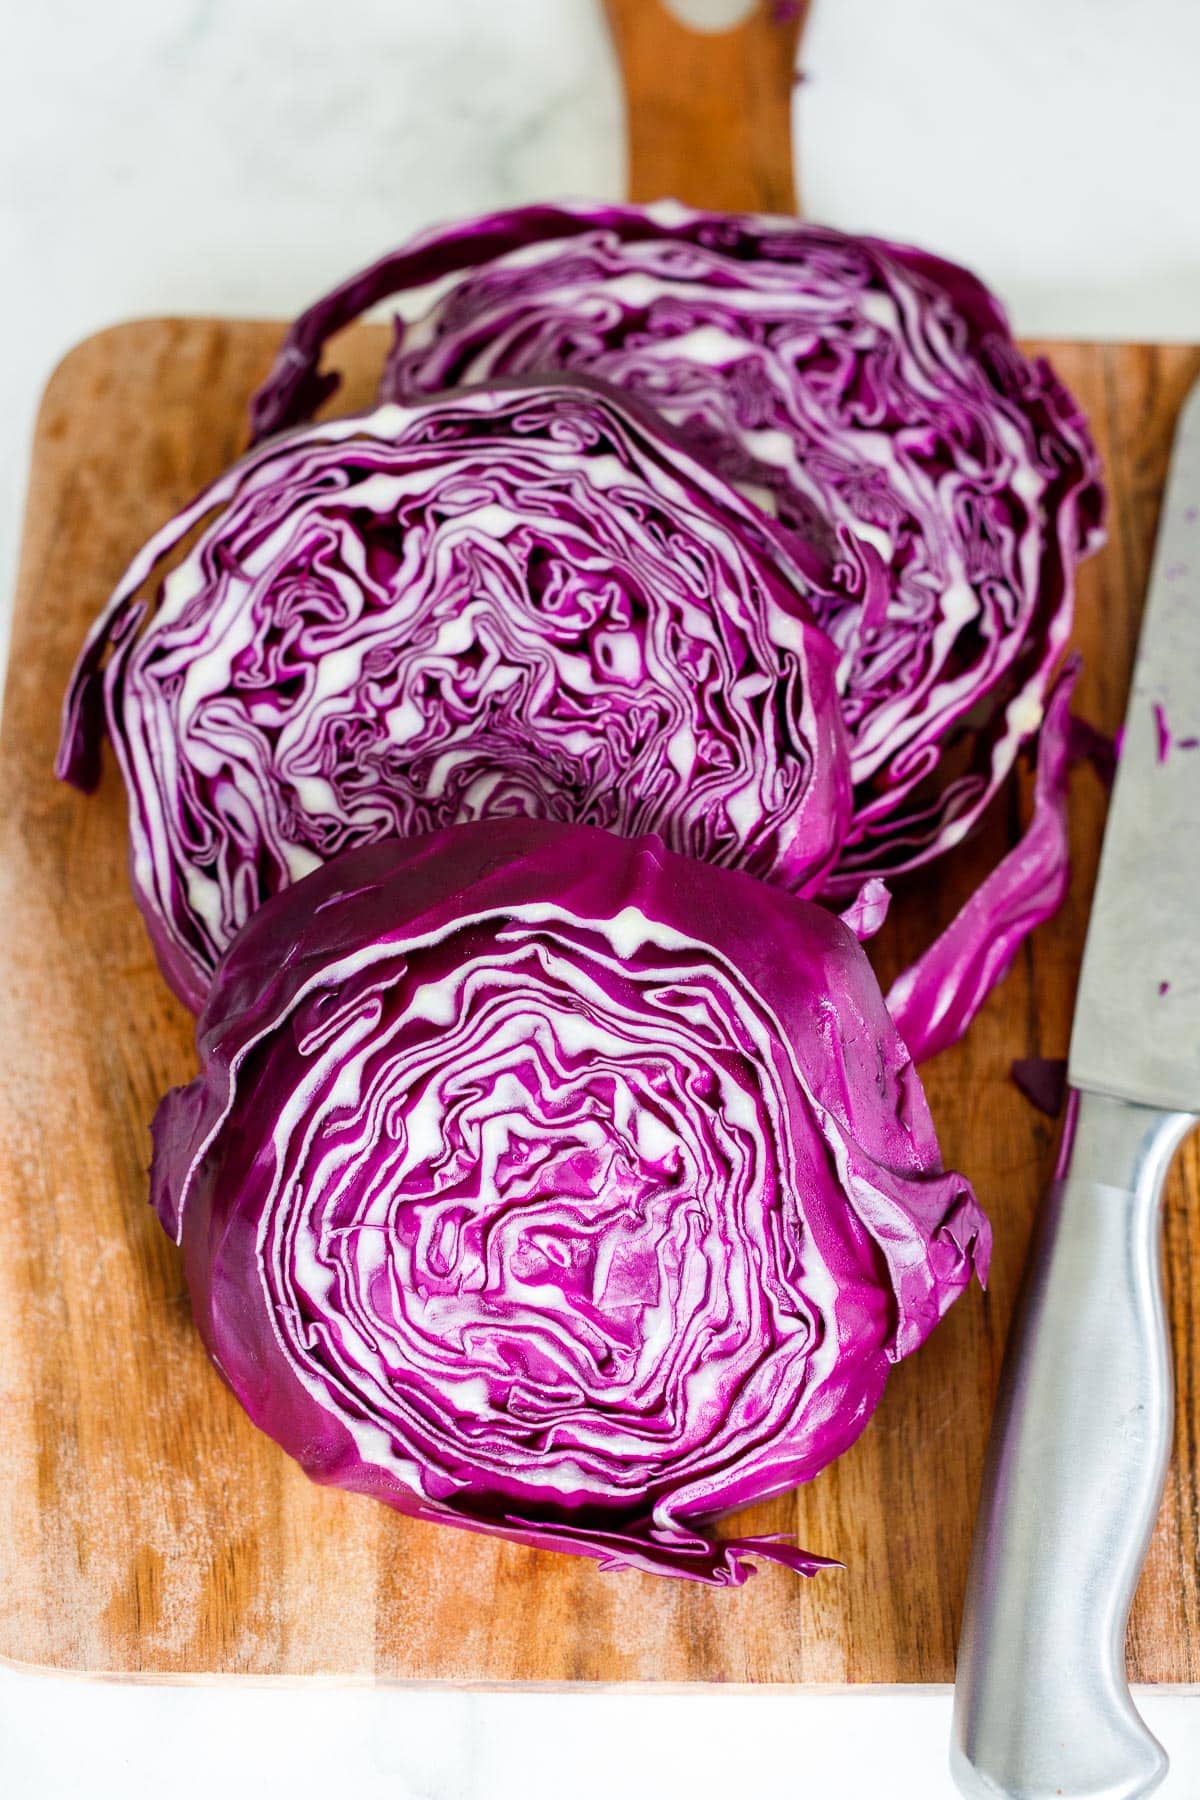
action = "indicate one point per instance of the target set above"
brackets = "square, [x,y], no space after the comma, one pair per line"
[145,1527]
[709,114]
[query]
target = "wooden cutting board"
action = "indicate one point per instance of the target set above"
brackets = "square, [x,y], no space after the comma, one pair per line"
[145,1527]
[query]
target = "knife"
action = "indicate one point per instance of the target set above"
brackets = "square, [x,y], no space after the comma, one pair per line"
[1082,1428]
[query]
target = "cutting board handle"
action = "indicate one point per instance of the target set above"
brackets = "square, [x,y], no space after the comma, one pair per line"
[709,113]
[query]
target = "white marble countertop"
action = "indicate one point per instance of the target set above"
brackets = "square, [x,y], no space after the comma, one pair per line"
[237,156]
[62,1740]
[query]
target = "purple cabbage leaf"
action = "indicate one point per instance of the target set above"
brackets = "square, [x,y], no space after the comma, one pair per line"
[937,996]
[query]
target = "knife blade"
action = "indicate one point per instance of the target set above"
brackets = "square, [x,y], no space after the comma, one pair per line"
[1137,1014]
[1082,1428]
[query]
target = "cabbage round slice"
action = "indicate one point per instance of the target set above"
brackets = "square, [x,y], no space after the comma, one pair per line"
[509,601]
[548,1183]
[868,394]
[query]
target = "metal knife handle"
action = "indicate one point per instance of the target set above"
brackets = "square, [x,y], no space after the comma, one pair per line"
[1074,1475]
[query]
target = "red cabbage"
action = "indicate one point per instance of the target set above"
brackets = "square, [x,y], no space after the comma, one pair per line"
[869,394]
[509,601]
[936,997]
[554,1185]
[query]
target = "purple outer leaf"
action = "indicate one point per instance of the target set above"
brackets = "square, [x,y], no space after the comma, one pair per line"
[935,999]
[549,1184]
